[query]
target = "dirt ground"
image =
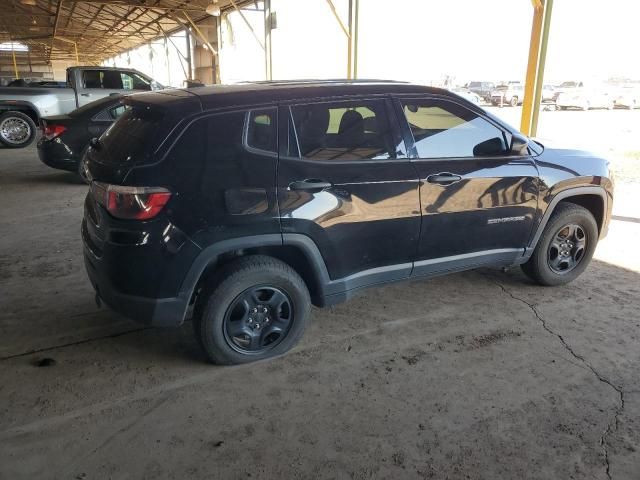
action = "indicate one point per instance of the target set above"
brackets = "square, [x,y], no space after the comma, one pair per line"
[479,375]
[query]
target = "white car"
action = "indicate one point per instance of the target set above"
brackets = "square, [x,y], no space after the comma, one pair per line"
[511,94]
[468,95]
[628,97]
[585,98]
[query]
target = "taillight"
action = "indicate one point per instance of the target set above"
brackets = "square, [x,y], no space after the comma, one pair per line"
[131,203]
[52,131]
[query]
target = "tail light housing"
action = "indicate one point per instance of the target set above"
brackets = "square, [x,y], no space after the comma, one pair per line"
[51,131]
[131,203]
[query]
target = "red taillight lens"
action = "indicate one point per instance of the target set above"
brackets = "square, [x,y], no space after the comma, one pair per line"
[131,203]
[52,131]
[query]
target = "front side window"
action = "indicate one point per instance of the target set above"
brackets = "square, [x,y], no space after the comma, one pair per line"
[347,130]
[133,81]
[444,129]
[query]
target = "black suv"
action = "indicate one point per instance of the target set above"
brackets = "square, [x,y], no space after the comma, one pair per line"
[240,206]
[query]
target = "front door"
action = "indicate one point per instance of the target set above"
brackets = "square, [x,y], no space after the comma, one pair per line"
[344,180]
[478,200]
[99,83]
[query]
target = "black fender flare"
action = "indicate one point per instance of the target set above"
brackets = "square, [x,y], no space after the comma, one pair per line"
[557,198]
[209,256]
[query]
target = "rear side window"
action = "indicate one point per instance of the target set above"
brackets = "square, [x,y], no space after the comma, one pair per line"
[348,130]
[118,111]
[110,79]
[444,129]
[130,138]
[260,131]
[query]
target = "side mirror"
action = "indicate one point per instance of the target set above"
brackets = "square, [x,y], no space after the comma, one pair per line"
[519,145]
[492,147]
[95,143]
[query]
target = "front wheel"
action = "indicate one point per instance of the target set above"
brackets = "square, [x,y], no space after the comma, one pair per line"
[17,130]
[259,308]
[514,101]
[565,247]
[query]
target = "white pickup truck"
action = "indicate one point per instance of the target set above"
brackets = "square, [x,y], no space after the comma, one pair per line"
[22,107]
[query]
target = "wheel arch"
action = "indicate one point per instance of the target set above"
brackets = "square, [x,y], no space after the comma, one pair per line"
[21,106]
[593,198]
[297,251]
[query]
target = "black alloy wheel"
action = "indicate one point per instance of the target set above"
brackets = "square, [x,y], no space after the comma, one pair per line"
[567,249]
[258,320]
[252,308]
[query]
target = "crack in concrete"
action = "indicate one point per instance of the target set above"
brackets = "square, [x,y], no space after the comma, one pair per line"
[610,428]
[71,344]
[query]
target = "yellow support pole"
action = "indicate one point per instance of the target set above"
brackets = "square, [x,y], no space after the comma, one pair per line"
[15,64]
[532,67]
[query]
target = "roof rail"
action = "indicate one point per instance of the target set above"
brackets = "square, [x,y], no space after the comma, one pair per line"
[319,80]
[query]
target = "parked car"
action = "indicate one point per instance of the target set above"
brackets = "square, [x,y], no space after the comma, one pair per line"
[21,108]
[585,98]
[468,95]
[567,86]
[240,206]
[548,94]
[511,94]
[628,97]
[65,138]
[483,89]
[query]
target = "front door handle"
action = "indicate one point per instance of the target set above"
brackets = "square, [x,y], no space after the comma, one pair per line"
[310,185]
[444,178]
[85,94]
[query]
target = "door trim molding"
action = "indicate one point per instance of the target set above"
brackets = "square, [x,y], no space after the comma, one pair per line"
[465,261]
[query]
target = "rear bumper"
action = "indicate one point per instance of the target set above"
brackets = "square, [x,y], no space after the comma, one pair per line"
[119,285]
[57,155]
[159,312]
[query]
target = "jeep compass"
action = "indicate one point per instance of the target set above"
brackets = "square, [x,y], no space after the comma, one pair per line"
[238,207]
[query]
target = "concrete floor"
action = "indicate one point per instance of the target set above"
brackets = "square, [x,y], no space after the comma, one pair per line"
[479,375]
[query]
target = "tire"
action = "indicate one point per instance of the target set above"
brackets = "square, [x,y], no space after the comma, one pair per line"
[539,266]
[17,130]
[80,169]
[266,280]
[586,106]
[514,101]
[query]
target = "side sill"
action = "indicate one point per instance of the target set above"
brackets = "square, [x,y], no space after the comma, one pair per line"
[424,269]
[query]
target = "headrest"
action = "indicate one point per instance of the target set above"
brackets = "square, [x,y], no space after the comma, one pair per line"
[351,122]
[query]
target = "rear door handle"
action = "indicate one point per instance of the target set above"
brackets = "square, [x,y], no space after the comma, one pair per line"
[310,185]
[85,94]
[444,178]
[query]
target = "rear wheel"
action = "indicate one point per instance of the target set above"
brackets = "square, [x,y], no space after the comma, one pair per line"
[258,308]
[565,247]
[17,130]
[514,101]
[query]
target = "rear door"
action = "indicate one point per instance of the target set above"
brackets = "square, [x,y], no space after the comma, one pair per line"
[478,201]
[345,181]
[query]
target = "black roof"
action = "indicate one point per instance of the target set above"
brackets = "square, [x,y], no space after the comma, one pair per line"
[247,93]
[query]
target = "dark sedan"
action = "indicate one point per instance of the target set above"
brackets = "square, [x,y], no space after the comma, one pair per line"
[66,137]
